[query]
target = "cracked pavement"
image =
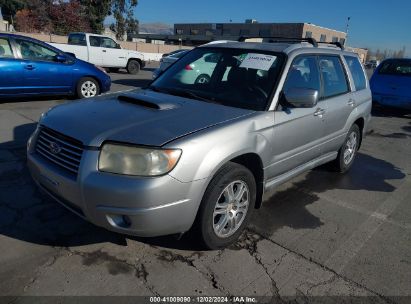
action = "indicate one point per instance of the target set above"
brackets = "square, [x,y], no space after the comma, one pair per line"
[321,234]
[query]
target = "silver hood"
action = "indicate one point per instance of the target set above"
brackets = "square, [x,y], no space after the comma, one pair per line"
[144,118]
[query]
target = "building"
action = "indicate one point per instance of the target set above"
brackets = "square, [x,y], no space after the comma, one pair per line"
[200,33]
[205,32]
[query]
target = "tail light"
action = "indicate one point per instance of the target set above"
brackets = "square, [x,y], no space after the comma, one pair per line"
[188,68]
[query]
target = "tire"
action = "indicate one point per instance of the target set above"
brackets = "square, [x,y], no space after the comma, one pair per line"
[133,67]
[203,78]
[345,158]
[209,226]
[87,87]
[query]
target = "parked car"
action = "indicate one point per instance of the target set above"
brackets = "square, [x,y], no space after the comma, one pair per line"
[166,61]
[391,83]
[102,51]
[184,155]
[372,64]
[174,52]
[31,67]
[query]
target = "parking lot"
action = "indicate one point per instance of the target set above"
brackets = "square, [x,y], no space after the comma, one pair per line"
[321,234]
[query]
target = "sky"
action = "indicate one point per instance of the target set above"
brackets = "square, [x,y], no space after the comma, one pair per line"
[383,24]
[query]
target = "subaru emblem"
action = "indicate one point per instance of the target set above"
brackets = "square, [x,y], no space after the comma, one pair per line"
[55,148]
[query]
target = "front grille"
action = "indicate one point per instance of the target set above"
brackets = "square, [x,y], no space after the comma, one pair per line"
[59,149]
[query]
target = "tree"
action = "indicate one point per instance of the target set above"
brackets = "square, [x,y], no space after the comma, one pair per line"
[132,23]
[68,17]
[25,20]
[10,8]
[123,12]
[34,17]
[97,11]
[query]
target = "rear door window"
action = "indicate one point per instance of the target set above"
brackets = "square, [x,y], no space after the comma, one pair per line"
[334,78]
[357,72]
[5,48]
[77,39]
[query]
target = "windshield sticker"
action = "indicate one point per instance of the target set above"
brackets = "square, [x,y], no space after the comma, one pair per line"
[258,61]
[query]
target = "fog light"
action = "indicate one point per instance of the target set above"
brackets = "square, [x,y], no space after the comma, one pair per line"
[118,220]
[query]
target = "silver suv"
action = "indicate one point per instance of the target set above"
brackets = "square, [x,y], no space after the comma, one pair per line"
[187,154]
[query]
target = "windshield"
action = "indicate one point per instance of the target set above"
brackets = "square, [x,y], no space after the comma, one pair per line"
[232,77]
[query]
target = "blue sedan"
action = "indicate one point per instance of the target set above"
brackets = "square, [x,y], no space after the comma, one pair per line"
[29,67]
[391,83]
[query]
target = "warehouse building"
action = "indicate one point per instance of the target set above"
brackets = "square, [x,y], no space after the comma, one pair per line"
[193,34]
[214,31]
[200,33]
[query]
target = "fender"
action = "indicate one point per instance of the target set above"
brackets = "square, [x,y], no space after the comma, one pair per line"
[205,152]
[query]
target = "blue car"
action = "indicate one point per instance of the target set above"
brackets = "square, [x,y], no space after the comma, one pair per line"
[391,83]
[29,67]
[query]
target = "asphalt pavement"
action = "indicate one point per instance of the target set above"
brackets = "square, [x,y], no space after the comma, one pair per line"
[321,234]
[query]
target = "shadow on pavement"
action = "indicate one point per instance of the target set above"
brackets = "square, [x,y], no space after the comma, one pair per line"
[58,98]
[138,83]
[30,216]
[289,207]
[385,111]
[407,128]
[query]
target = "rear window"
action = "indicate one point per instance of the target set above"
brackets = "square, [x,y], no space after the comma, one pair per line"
[5,49]
[77,39]
[179,54]
[357,72]
[396,67]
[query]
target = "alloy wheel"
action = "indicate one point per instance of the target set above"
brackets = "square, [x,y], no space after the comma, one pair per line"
[88,89]
[231,209]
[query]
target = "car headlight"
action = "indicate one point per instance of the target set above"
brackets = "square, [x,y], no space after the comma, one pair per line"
[133,160]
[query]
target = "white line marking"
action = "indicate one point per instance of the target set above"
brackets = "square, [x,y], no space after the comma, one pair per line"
[351,247]
[116,92]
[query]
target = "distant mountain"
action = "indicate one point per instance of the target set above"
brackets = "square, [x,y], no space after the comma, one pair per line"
[156,28]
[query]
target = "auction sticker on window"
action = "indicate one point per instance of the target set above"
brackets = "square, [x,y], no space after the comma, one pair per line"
[258,61]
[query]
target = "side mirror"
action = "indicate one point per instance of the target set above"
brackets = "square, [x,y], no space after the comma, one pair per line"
[60,58]
[118,46]
[301,97]
[70,54]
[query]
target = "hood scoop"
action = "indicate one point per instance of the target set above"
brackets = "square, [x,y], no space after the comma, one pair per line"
[147,101]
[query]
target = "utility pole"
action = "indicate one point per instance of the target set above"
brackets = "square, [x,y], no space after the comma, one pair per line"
[346,30]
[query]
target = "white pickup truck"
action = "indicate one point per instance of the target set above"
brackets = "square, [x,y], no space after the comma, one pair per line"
[102,51]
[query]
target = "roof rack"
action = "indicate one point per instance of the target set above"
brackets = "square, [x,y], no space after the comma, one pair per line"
[336,43]
[281,39]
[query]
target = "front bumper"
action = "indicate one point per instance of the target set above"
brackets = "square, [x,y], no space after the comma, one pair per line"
[131,205]
[106,84]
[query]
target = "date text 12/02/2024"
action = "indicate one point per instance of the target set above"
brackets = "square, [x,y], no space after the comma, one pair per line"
[203,299]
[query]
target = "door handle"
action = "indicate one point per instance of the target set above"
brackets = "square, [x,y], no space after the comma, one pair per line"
[319,112]
[104,51]
[29,67]
[351,102]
